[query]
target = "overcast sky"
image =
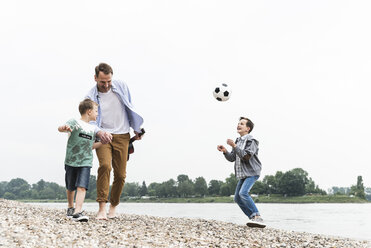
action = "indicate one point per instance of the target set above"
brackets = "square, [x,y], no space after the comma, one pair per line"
[299,69]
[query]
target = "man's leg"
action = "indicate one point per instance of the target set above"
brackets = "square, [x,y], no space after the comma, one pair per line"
[120,144]
[104,154]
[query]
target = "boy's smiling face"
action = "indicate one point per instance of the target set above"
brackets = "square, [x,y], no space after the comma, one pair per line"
[93,113]
[242,128]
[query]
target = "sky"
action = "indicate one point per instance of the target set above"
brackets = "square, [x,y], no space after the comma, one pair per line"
[300,70]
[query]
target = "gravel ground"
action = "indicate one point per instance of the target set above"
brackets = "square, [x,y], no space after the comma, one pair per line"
[23,225]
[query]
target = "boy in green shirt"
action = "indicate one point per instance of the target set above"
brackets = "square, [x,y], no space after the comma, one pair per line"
[79,157]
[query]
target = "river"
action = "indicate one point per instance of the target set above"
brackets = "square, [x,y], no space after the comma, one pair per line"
[344,220]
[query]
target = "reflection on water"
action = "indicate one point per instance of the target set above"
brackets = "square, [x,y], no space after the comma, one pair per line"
[345,220]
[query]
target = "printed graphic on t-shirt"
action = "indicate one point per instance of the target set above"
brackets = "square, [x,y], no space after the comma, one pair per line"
[80,142]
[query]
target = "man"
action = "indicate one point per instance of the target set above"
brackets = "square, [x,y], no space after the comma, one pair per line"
[116,115]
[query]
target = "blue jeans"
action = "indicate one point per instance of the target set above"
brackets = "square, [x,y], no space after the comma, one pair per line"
[242,197]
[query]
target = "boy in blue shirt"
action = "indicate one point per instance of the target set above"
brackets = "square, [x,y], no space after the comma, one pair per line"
[247,169]
[79,156]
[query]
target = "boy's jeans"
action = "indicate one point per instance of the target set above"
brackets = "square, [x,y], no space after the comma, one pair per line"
[242,197]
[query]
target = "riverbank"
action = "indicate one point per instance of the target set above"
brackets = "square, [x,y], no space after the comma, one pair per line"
[259,199]
[22,225]
[227,199]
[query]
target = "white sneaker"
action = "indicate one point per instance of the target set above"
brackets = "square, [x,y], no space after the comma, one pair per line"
[256,221]
[81,217]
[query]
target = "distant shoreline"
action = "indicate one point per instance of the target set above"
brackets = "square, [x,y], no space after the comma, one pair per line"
[23,225]
[222,199]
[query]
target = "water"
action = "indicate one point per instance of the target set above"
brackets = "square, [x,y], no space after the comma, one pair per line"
[344,220]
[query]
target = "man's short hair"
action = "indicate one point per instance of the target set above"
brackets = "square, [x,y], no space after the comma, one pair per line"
[86,105]
[249,123]
[103,67]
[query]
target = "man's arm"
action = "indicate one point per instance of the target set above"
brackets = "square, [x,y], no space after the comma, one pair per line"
[104,137]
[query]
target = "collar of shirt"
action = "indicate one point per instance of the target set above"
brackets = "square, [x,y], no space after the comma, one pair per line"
[243,138]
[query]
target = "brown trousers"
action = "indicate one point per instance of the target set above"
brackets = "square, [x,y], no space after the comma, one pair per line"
[115,154]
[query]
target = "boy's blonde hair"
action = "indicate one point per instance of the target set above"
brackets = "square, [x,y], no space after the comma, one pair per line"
[86,105]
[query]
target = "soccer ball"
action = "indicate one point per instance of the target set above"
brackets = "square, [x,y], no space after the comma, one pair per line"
[222,92]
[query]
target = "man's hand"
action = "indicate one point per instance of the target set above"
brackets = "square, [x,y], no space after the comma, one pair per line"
[64,128]
[138,136]
[222,149]
[104,137]
[231,143]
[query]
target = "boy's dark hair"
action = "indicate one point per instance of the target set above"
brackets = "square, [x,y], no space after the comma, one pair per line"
[249,123]
[103,67]
[86,105]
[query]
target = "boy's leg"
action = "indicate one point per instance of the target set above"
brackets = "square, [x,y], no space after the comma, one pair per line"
[104,154]
[80,197]
[82,184]
[70,196]
[238,199]
[246,199]
[120,143]
[70,179]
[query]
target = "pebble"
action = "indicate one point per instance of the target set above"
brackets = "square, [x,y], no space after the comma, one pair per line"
[23,225]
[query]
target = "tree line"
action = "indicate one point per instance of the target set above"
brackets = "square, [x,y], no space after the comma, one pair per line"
[295,182]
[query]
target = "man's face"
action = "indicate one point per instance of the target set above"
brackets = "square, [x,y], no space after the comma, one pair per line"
[242,129]
[104,82]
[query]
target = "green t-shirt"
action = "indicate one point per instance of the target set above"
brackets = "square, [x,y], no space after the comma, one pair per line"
[80,143]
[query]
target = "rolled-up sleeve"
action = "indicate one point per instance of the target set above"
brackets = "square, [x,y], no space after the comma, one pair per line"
[250,149]
[230,156]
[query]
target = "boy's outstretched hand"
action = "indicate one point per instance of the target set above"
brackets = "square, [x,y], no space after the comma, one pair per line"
[64,128]
[222,149]
[231,143]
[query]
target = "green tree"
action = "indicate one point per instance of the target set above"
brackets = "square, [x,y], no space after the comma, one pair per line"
[186,188]
[92,190]
[152,189]
[358,189]
[293,182]
[3,188]
[200,186]
[143,190]
[19,188]
[271,183]
[231,182]
[214,187]
[225,190]
[171,188]
[9,196]
[182,178]
[40,185]
[131,189]
[259,188]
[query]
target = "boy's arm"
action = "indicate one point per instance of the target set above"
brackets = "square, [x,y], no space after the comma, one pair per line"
[96,145]
[64,128]
[250,149]
[230,156]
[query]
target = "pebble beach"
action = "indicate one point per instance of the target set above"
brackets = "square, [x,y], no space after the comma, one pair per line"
[23,225]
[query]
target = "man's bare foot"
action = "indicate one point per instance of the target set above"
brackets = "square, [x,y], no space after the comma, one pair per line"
[102,211]
[101,215]
[111,212]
